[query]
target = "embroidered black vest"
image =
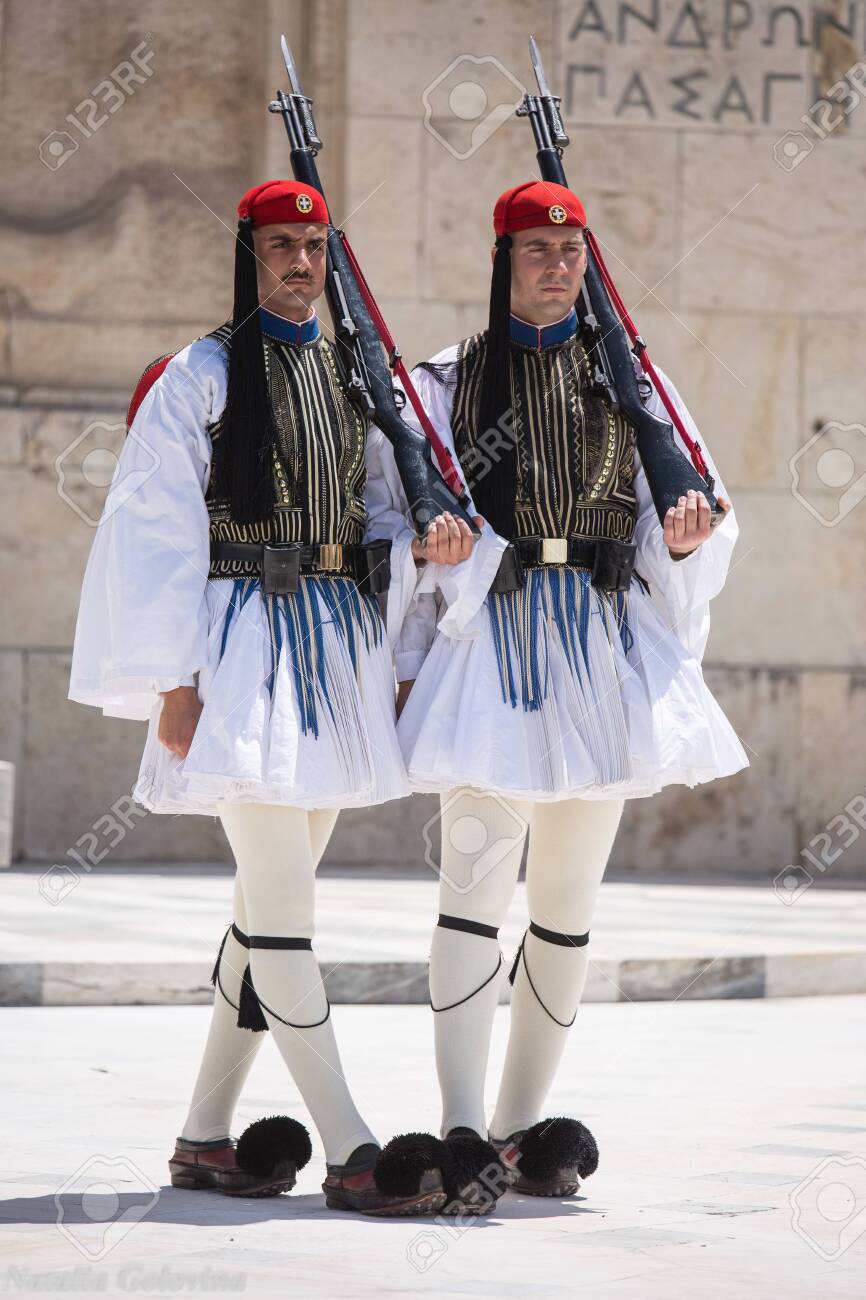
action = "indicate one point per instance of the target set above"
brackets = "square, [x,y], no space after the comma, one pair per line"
[319,469]
[575,456]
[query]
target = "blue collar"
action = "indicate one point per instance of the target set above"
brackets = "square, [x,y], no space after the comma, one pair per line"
[543,336]
[287,330]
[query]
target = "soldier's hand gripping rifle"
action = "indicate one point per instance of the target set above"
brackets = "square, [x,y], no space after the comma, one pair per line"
[669,473]
[362,336]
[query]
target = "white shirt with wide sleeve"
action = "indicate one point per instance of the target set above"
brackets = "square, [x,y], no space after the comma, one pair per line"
[647,717]
[297,691]
[142,620]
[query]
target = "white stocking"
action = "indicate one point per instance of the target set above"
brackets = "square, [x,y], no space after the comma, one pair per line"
[569,846]
[482,844]
[276,850]
[229,1051]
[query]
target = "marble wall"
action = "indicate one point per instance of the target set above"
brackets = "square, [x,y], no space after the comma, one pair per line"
[719,149]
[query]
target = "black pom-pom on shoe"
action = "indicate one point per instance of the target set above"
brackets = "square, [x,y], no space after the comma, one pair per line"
[402,1162]
[473,1175]
[555,1144]
[550,1158]
[275,1140]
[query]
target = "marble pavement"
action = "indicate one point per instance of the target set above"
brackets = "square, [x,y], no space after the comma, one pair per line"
[732,1136]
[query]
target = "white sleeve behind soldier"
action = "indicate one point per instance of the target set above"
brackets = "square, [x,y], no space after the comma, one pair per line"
[686,586]
[412,603]
[142,623]
[463,588]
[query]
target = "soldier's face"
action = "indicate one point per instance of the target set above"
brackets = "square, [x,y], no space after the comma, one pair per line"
[547,269]
[291,263]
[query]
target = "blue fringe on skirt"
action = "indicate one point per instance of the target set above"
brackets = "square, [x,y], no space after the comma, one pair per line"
[518,623]
[297,620]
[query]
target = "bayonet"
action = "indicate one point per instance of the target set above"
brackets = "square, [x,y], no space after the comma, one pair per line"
[545,103]
[360,333]
[614,337]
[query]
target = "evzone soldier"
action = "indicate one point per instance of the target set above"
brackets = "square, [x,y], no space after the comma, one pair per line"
[563,678]
[231,601]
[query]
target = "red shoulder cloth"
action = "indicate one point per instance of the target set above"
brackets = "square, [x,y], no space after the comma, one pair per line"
[144,385]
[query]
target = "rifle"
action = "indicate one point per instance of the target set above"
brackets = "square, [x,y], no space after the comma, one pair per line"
[361,333]
[669,473]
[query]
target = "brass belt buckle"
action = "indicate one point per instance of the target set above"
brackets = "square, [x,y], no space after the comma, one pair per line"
[330,556]
[554,550]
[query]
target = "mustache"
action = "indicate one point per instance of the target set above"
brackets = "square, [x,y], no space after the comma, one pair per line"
[288,279]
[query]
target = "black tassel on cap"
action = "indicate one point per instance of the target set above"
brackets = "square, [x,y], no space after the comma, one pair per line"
[250,1014]
[247,422]
[494,485]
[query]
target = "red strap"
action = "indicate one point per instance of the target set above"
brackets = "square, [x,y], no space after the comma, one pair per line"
[144,385]
[643,356]
[447,464]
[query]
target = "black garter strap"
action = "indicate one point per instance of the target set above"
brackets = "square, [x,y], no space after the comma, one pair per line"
[250,1008]
[276,941]
[556,936]
[549,936]
[468,927]
[268,941]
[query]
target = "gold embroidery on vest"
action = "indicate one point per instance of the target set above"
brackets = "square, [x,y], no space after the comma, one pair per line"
[574,455]
[319,484]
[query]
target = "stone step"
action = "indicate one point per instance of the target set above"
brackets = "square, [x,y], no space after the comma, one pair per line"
[94,983]
[149,935]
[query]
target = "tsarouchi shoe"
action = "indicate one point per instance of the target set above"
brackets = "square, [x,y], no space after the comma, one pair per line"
[417,1173]
[264,1160]
[473,1173]
[548,1159]
[405,1189]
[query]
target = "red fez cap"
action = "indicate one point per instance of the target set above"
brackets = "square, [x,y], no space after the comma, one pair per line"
[277,202]
[537,203]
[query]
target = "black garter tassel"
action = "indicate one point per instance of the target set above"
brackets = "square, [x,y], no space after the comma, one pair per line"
[250,1014]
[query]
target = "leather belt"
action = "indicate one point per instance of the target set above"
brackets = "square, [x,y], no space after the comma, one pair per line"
[611,562]
[281,564]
